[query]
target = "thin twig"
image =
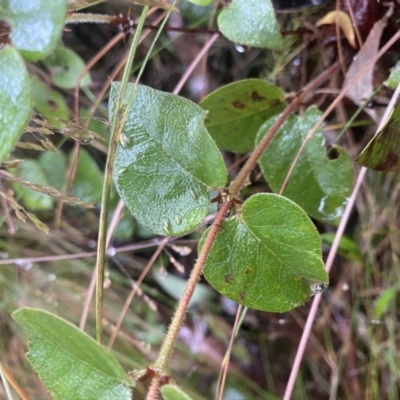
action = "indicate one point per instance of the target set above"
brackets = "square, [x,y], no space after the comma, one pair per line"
[331,257]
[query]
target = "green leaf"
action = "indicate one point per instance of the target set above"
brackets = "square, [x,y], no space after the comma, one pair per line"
[175,286]
[348,248]
[252,23]
[320,183]
[49,103]
[236,112]
[168,163]
[15,99]
[69,362]
[36,25]
[268,257]
[32,171]
[201,2]
[172,392]
[384,301]
[382,153]
[65,66]
[54,166]
[88,182]
[394,77]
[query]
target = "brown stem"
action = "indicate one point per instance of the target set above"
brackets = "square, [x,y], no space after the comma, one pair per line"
[161,364]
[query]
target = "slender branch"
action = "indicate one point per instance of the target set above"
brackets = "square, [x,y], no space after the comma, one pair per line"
[115,133]
[331,256]
[161,364]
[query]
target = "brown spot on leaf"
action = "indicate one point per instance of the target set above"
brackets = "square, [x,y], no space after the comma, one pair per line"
[275,103]
[391,161]
[256,97]
[228,278]
[238,104]
[241,296]
[248,270]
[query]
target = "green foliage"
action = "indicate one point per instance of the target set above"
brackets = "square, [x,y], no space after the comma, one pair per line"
[387,298]
[382,153]
[252,23]
[36,25]
[32,171]
[202,2]
[167,163]
[268,257]
[69,362]
[88,182]
[66,66]
[15,99]
[49,103]
[172,392]
[236,112]
[319,184]
[394,77]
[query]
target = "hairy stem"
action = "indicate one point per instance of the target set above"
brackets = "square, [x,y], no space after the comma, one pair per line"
[161,364]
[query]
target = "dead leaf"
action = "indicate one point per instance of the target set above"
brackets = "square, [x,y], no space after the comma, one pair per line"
[344,21]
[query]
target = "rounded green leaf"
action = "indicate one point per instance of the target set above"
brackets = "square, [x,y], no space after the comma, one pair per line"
[88,182]
[15,99]
[54,166]
[30,170]
[35,25]
[168,162]
[66,66]
[236,112]
[172,392]
[321,181]
[252,23]
[69,362]
[394,77]
[268,257]
[49,103]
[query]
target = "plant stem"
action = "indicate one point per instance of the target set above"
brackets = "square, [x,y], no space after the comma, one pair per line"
[116,130]
[237,184]
[161,364]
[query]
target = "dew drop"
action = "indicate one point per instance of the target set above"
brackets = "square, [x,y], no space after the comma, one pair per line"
[166,226]
[124,141]
[178,219]
[121,171]
[25,265]
[193,194]
[318,288]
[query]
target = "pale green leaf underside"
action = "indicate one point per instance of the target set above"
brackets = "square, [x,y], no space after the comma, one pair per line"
[65,67]
[172,392]
[269,258]
[236,112]
[252,23]
[321,186]
[35,25]
[15,99]
[70,363]
[169,162]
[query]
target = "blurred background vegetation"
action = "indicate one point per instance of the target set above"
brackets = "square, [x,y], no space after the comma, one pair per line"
[353,351]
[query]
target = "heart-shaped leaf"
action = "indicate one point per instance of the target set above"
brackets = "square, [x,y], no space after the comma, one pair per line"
[168,162]
[236,112]
[36,25]
[69,362]
[382,153]
[15,99]
[268,257]
[252,23]
[322,179]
